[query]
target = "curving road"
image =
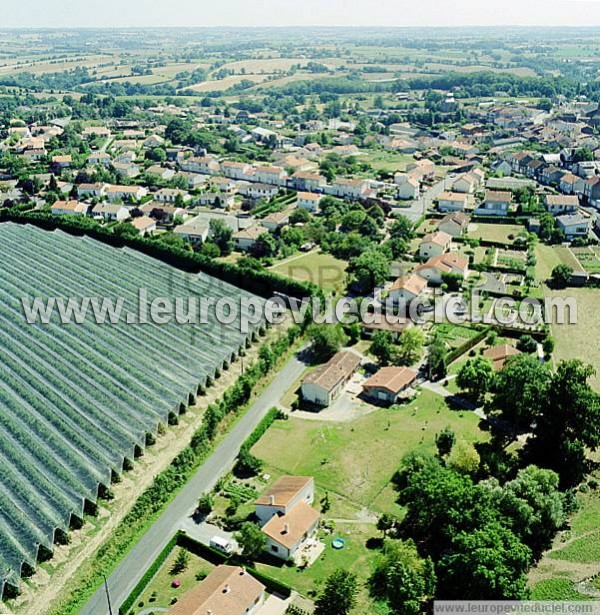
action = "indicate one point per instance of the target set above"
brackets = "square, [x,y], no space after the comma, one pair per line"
[125,577]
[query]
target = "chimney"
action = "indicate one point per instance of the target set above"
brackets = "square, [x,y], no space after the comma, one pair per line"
[272,500]
[286,528]
[227,589]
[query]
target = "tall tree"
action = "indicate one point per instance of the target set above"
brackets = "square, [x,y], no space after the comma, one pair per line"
[475,378]
[339,594]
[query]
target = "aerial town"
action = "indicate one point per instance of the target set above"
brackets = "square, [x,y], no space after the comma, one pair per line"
[445,447]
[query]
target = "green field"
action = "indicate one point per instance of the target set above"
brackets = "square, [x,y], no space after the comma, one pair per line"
[322,269]
[503,233]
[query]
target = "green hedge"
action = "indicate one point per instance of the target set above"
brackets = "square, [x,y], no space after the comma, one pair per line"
[261,282]
[261,428]
[471,343]
[148,575]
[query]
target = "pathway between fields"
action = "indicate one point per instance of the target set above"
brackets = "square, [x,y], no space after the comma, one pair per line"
[125,577]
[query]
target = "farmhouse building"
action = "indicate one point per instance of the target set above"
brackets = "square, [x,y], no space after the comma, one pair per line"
[327,381]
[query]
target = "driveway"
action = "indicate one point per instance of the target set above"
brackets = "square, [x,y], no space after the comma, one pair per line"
[132,568]
[203,532]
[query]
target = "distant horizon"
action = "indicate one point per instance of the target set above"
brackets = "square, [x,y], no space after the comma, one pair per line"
[114,14]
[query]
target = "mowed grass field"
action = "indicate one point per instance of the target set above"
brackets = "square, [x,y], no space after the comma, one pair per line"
[578,341]
[504,233]
[322,269]
[357,459]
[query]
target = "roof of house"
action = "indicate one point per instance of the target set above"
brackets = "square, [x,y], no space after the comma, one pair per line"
[309,196]
[457,217]
[412,283]
[283,490]
[562,200]
[107,208]
[252,232]
[453,196]
[572,219]
[393,379]
[499,354]
[445,262]
[143,223]
[498,196]
[289,529]
[338,368]
[227,590]
[439,238]
[73,205]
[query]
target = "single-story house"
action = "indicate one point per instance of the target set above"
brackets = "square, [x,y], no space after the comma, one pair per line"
[131,193]
[498,355]
[62,162]
[127,170]
[92,190]
[437,266]
[409,189]
[217,199]
[246,238]
[171,195]
[434,244]
[110,212]
[163,173]
[454,224]
[162,212]
[227,590]
[388,383]
[574,225]
[195,231]
[276,220]
[145,225]
[70,208]
[99,158]
[325,383]
[260,191]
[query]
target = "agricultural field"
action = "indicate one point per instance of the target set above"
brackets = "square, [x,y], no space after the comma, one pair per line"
[549,257]
[589,258]
[79,399]
[322,269]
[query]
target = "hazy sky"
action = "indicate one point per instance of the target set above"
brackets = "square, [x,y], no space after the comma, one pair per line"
[73,13]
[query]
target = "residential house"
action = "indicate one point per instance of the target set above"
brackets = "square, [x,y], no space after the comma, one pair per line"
[222,184]
[349,188]
[309,201]
[389,383]
[227,590]
[409,189]
[92,132]
[284,495]
[561,204]
[145,225]
[201,164]
[162,212]
[591,190]
[467,183]
[498,355]
[126,193]
[171,195]
[195,231]
[217,199]
[245,239]
[110,212]
[237,170]
[425,169]
[495,204]
[574,225]
[308,182]
[70,208]
[276,220]
[326,382]
[91,190]
[62,162]
[259,191]
[153,141]
[452,201]
[406,289]
[434,244]
[34,154]
[454,224]
[435,268]
[270,175]
[552,175]
[126,170]
[101,158]
[162,173]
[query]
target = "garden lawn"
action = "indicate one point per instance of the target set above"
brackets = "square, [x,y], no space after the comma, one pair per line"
[502,233]
[357,459]
[322,269]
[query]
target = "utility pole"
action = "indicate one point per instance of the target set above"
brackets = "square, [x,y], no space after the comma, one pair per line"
[110,612]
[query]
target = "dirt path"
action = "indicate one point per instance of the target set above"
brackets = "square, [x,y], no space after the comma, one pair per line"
[51,578]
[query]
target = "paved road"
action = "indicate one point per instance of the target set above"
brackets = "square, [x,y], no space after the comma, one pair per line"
[420,206]
[129,572]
